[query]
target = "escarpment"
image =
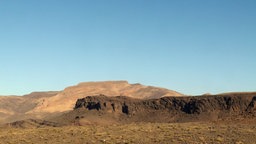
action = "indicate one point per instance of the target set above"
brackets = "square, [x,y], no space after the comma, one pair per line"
[173,109]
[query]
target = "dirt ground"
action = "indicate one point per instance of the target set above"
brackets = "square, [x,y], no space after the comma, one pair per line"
[180,133]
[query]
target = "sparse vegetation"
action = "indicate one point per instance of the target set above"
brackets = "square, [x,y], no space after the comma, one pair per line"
[134,133]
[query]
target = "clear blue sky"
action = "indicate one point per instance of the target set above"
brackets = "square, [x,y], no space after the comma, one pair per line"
[191,46]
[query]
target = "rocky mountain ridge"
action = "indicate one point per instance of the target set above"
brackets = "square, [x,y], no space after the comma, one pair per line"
[107,110]
[173,109]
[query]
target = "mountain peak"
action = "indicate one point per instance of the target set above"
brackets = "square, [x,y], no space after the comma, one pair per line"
[104,82]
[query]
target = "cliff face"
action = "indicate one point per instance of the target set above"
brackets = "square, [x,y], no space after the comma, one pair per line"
[174,109]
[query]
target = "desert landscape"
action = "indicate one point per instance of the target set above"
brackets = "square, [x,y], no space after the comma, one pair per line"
[127,72]
[119,112]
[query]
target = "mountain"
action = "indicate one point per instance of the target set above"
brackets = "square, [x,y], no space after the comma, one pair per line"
[45,104]
[66,99]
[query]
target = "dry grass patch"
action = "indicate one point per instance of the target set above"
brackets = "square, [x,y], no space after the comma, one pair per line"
[134,133]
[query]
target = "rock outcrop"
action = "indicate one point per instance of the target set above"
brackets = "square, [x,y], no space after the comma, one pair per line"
[172,109]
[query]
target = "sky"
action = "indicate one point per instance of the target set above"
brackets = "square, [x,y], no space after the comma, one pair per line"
[193,47]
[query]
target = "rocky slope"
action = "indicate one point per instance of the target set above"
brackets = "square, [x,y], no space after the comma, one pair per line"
[30,123]
[225,107]
[14,107]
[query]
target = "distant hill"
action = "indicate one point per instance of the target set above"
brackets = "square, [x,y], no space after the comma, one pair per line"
[14,107]
[42,104]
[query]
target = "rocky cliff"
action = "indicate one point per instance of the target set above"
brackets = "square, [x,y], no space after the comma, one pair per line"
[171,109]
